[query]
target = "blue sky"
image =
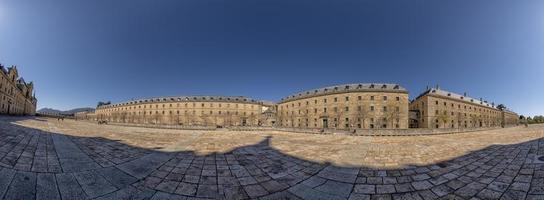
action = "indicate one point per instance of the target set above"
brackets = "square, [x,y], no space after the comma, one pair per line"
[82,52]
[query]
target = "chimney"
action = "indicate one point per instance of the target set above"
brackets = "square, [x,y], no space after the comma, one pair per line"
[427,88]
[465,94]
[437,87]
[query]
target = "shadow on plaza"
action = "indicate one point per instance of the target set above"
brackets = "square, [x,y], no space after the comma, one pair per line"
[264,144]
[259,159]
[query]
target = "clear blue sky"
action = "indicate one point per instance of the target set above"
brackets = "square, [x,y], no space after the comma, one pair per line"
[82,52]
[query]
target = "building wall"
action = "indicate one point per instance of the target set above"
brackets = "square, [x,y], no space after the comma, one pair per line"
[15,95]
[347,110]
[437,111]
[510,118]
[184,112]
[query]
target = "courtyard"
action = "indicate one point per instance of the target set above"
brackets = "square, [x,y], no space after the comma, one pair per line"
[43,158]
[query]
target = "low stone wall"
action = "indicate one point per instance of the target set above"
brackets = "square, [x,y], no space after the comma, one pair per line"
[368,132]
[164,126]
[356,132]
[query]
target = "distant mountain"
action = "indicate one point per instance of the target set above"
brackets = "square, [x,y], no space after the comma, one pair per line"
[67,112]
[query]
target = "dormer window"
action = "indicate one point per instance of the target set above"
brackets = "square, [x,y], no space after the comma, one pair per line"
[449,94]
[325,89]
[335,88]
[347,87]
[384,86]
[462,97]
[315,91]
[359,86]
[433,91]
[396,87]
[371,85]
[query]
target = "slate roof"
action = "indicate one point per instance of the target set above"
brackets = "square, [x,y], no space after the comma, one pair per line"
[345,88]
[233,99]
[444,93]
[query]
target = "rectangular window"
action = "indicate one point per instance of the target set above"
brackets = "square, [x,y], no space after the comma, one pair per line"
[385,98]
[347,108]
[372,98]
[398,98]
[385,108]
[359,98]
[371,108]
[347,98]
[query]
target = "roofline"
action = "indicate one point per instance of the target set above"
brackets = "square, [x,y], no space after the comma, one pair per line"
[320,91]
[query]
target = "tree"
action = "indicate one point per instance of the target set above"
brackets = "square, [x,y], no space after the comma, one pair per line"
[100,103]
[443,117]
[362,114]
[392,113]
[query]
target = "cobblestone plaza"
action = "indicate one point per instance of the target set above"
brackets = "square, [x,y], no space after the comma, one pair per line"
[43,158]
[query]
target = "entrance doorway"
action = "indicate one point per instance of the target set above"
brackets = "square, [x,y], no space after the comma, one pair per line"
[325,123]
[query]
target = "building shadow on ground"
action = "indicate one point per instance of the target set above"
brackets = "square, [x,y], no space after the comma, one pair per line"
[38,164]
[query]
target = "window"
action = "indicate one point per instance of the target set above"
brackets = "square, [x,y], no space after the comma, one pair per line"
[436,102]
[324,110]
[335,109]
[385,108]
[385,98]
[335,99]
[359,108]
[398,98]
[347,98]
[372,98]
[359,98]
[371,108]
[397,109]
[347,108]
[324,100]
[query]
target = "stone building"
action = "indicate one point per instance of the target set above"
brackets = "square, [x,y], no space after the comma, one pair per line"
[347,107]
[509,118]
[437,108]
[16,96]
[185,110]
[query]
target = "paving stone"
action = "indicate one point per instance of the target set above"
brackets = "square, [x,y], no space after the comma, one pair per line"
[23,186]
[163,195]
[46,187]
[255,190]
[128,192]
[7,175]
[422,185]
[69,187]
[364,189]
[336,188]
[207,191]
[93,184]
[187,189]
[385,189]
[145,165]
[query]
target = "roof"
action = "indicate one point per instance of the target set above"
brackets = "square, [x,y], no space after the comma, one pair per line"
[345,88]
[451,95]
[235,99]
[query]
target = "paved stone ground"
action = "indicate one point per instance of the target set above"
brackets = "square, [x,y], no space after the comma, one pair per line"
[47,159]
